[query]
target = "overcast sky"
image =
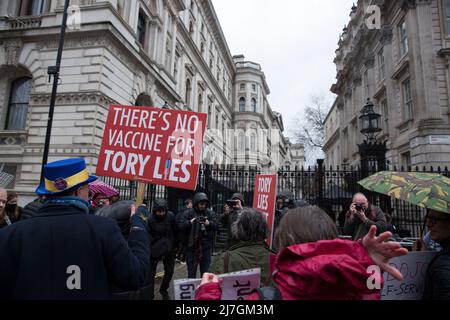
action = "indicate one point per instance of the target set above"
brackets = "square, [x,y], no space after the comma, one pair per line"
[293,40]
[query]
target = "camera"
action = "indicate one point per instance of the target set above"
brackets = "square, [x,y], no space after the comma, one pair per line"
[232,203]
[201,219]
[359,207]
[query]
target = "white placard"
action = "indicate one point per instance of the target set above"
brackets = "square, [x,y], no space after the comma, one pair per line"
[413,267]
[235,286]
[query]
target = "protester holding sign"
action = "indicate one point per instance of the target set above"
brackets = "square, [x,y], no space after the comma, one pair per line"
[158,146]
[65,253]
[437,283]
[307,268]
[197,226]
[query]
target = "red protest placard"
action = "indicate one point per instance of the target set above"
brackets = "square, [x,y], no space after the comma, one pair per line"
[264,198]
[152,145]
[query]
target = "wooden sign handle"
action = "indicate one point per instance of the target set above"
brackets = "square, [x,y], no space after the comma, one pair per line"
[140,193]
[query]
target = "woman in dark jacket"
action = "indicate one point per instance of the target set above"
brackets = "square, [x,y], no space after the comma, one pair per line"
[313,264]
[250,249]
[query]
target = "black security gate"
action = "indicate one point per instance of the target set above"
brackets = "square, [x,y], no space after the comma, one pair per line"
[329,188]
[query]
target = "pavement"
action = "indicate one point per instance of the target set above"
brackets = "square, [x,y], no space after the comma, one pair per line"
[180,272]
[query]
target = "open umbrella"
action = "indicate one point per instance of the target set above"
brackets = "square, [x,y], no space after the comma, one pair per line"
[99,187]
[427,190]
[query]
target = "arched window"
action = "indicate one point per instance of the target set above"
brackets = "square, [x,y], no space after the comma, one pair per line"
[253,104]
[241,104]
[18,104]
[188,92]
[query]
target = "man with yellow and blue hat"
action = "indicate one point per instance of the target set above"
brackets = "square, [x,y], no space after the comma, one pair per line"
[65,253]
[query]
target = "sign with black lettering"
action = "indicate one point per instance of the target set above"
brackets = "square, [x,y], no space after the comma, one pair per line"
[413,267]
[235,285]
[157,146]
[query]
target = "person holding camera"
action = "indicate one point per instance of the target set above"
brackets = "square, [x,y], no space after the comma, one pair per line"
[231,213]
[361,216]
[197,226]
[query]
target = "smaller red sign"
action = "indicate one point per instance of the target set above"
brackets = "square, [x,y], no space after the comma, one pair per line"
[264,199]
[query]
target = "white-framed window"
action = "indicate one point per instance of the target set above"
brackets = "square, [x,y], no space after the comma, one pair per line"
[242,87]
[242,104]
[447,15]
[141,29]
[16,118]
[253,142]
[253,87]
[241,141]
[381,65]
[188,92]
[200,102]
[407,99]
[253,104]
[385,111]
[366,84]
[33,7]
[403,34]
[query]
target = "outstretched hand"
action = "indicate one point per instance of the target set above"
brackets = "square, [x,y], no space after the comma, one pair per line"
[209,278]
[381,251]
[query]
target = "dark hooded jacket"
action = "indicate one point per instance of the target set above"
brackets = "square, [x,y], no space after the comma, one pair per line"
[31,209]
[164,226]
[227,219]
[190,232]
[437,281]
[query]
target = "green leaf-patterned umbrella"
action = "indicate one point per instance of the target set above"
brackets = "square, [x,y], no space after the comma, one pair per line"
[427,190]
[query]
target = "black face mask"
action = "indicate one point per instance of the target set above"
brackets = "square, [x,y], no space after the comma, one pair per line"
[159,218]
[10,207]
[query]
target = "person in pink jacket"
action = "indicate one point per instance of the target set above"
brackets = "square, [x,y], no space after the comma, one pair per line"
[313,264]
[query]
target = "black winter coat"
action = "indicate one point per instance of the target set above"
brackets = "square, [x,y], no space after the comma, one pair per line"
[160,228]
[437,281]
[37,255]
[31,209]
[188,230]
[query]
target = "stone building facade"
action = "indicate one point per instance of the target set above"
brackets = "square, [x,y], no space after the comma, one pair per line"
[403,67]
[135,52]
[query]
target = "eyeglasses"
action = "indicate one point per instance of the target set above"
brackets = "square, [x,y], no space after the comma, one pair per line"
[433,220]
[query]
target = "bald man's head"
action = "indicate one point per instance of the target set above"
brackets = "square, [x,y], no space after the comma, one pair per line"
[361,199]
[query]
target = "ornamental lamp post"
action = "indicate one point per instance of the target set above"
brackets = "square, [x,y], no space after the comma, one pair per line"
[371,151]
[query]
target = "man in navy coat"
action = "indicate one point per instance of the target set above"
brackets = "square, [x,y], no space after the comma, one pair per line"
[65,253]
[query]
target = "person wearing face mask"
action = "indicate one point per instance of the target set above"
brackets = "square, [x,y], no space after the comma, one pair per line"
[163,231]
[361,216]
[13,211]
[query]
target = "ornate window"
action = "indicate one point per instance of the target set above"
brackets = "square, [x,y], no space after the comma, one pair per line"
[18,104]
[253,104]
[242,104]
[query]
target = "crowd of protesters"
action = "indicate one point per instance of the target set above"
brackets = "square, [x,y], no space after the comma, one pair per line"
[72,243]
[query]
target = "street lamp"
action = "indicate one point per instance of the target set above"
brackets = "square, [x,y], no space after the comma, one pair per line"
[370,122]
[372,152]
